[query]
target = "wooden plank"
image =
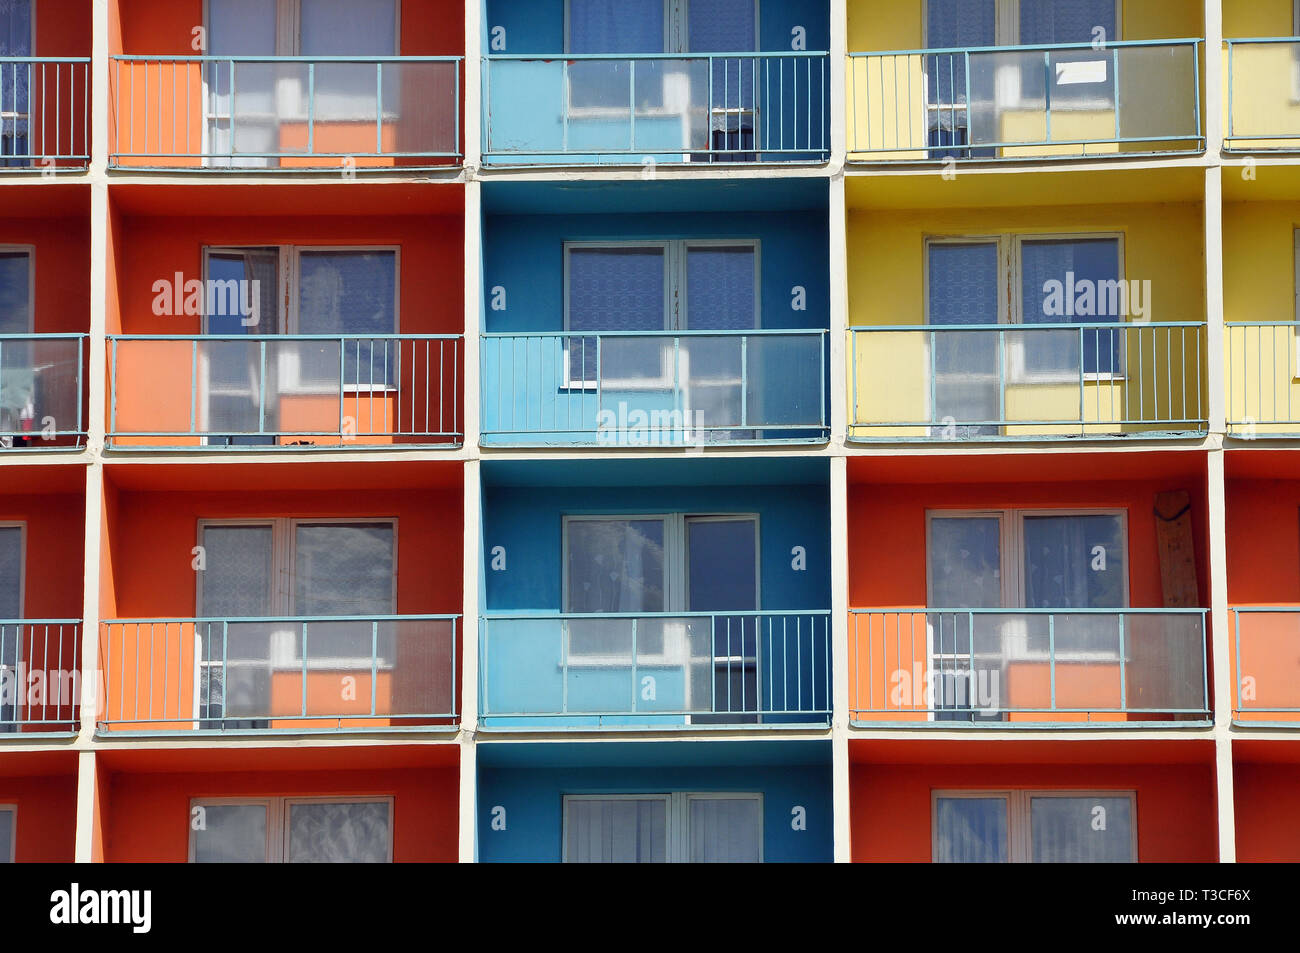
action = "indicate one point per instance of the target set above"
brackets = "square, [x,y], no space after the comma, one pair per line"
[1176,551]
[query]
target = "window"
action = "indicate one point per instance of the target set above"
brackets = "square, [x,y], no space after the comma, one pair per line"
[652,287]
[12,564]
[1021,280]
[270,569]
[291,830]
[1034,827]
[1037,559]
[665,564]
[18,39]
[661,26]
[17,289]
[663,828]
[8,832]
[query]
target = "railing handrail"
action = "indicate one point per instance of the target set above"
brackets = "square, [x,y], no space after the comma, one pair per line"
[284,337]
[1261,324]
[1032,48]
[44,59]
[571,57]
[1295,608]
[251,58]
[1018,326]
[693,332]
[218,620]
[41,621]
[1241,41]
[529,614]
[44,335]
[1036,611]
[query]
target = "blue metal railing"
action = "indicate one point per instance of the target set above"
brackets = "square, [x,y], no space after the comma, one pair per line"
[44,111]
[1041,101]
[1264,81]
[297,673]
[1027,381]
[662,668]
[1266,655]
[664,388]
[40,675]
[994,666]
[674,107]
[241,112]
[41,391]
[276,390]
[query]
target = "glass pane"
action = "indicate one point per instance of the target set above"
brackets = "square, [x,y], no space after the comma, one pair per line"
[616,289]
[965,562]
[963,281]
[971,830]
[1082,830]
[15,293]
[238,577]
[241,27]
[231,834]
[244,293]
[6,836]
[351,292]
[326,833]
[721,26]
[953,24]
[1047,22]
[722,564]
[616,26]
[720,284]
[725,830]
[1074,562]
[616,565]
[11,569]
[616,831]
[349,28]
[343,569]
[1064,282]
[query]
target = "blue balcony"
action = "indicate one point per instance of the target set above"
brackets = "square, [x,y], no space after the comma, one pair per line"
[630,389]
[676,108]
[655,669]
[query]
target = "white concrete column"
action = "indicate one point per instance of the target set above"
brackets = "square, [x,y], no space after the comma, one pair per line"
[1217,407]
[1223,688]
[472,78]
[840,657]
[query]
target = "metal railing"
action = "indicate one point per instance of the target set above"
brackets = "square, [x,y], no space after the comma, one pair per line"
[1017,666]
[664,668]
[40,675]
[634,388]
[1262,362]
[41,391]
[1263,95]
[269,390]
[237,113]
[1027,381]
[44,111]
[293,673]
[1266,658]
[1014,102]
[674,107]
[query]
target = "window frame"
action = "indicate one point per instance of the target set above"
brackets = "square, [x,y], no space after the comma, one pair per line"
[676,307]
[21,526]
[277,818]
[677,829]
[30,251]
[676,27]
[1006,22]
[1019,814]
[12,809]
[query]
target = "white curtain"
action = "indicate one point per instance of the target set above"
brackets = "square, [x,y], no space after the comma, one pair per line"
[971,830]
[325,833]
[231,834]
[1081,830]
[616,565]
[725,830]
[616,830]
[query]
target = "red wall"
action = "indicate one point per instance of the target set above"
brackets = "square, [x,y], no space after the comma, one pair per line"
[62,28]
[54,561]
[47,816]
[147,815]
[1263,540]
[890,804]
[62,262]
[154,533]
[1268,824]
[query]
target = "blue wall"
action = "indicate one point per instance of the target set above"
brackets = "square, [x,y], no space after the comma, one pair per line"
[533,802]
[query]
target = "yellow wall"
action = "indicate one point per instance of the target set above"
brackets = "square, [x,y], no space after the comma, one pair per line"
[886,250]
[1263,77]
[1246,18]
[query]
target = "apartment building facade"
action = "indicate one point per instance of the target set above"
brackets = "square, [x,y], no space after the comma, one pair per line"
[652,430]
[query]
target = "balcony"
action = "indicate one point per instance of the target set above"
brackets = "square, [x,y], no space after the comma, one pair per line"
[1263,96]
[290,390]
[675,108]
[284,113]
[630,389]
[1263,362]
[655,670]
[1025,102]
[1266,663]
[279,674]
[40,675]
[41,391]
[44,112]
[1017,667]
[1027,381]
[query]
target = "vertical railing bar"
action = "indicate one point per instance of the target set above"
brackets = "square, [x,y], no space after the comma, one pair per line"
[374,665]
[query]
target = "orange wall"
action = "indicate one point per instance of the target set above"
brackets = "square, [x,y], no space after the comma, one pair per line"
[62,260]
[1268,825]
[47,815]
[889,804]
[887,532]
[1263,540]
[155,532]
[147,815]
[54,568]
